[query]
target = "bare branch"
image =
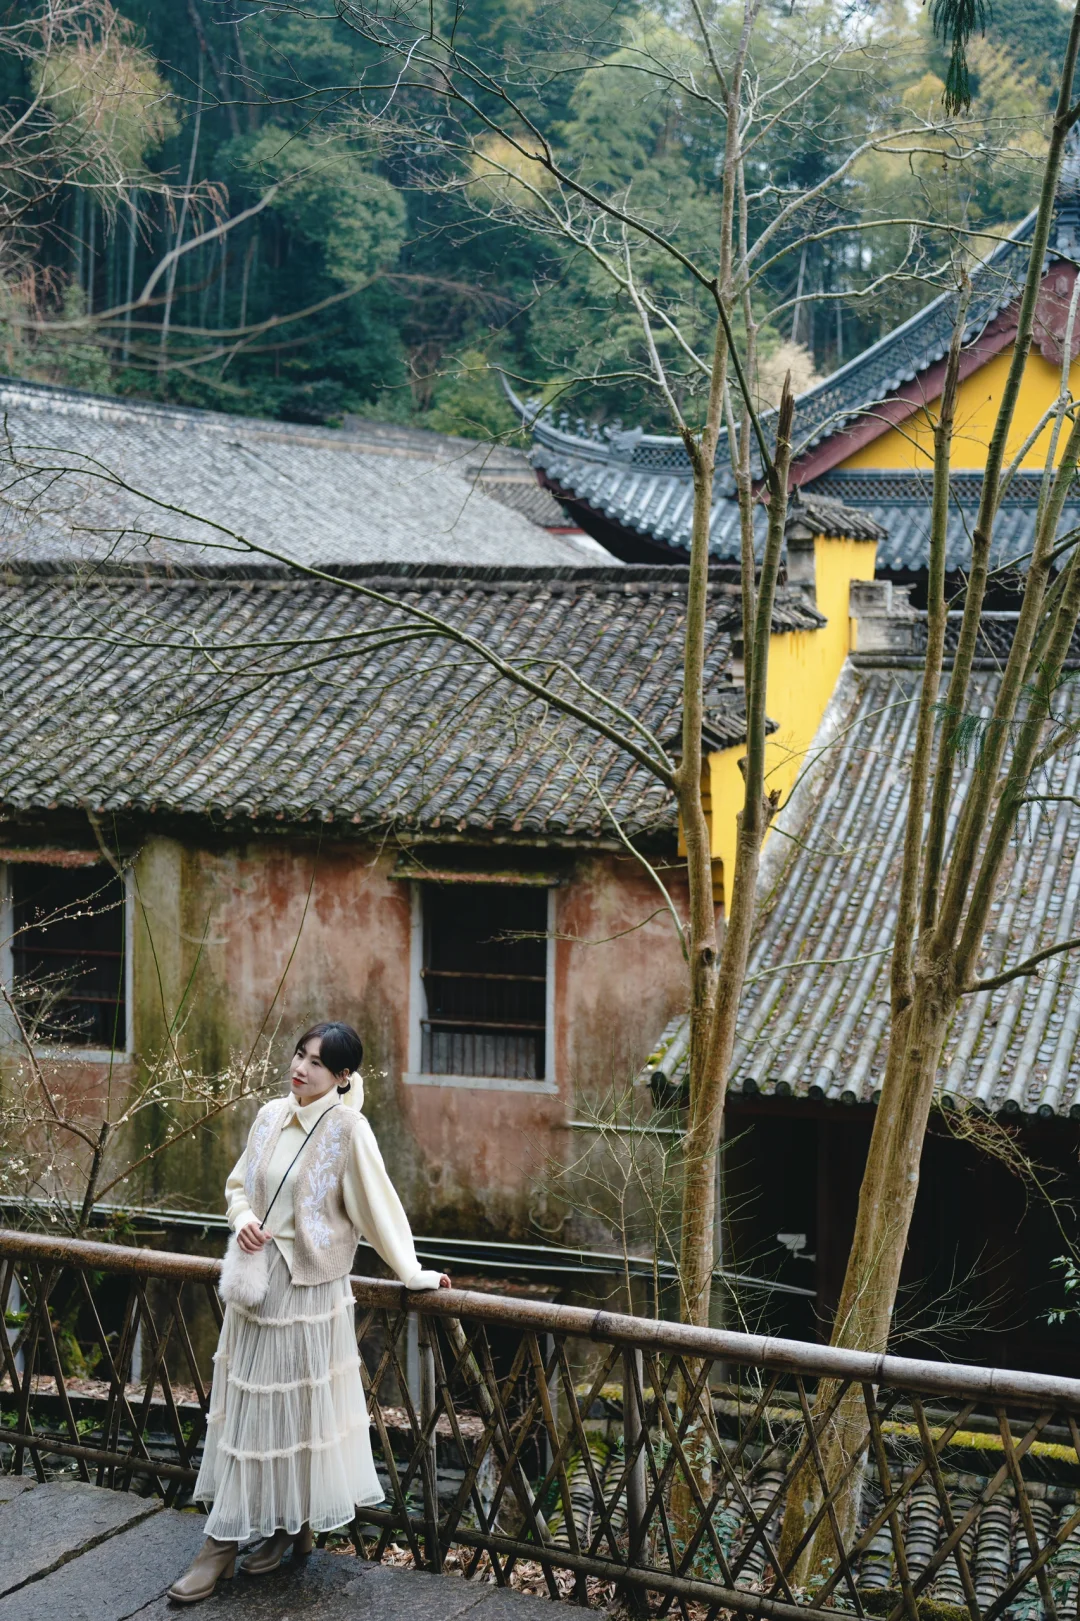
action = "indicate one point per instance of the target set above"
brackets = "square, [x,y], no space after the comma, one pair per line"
[1030,965]
[38,1073]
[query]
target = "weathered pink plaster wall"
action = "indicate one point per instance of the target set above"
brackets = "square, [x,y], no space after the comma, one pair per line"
[293,934]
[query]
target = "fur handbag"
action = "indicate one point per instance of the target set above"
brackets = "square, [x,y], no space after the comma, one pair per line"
[245,1276]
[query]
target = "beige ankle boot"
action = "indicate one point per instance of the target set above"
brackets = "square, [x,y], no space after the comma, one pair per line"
[269,1554]
[213,1561]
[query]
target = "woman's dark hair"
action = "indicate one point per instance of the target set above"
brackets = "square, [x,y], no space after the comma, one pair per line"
[340,1048]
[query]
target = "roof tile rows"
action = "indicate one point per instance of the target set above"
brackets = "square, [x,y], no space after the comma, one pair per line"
[821,1032]
[527,497]
[320,497]
[278,700]
[659,505]
[826,515]
[501,471]
[900,504]
[892,507]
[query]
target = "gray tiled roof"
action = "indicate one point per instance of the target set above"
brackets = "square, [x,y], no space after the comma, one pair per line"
[825,514]
[527,497]
[642,481]
[639,481]
[313,494]
[146,693]
[502,471]
[900,504]
[657,501]
[822,1032]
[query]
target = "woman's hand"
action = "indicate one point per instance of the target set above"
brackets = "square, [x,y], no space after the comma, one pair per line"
[444,1282]
[251,1237]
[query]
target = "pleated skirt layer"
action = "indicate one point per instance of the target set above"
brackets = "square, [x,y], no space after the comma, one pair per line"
[287,1440]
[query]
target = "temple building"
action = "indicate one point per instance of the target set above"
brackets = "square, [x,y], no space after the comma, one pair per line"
[863,436]
[810,1057]
[809,1060]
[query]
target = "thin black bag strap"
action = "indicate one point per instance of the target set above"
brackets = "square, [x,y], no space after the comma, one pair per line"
[294,1159]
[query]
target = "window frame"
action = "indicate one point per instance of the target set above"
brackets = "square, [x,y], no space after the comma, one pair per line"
[57,1051]
[414,1075]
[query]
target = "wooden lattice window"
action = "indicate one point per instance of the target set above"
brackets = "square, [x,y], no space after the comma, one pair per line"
[68,951]
[485,981]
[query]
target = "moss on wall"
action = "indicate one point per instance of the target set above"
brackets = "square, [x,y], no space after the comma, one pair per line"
[239,948]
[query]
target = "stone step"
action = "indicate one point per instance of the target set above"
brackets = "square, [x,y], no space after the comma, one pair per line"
[115,1578]
[71,1552]
[42,1528]
[334,1587]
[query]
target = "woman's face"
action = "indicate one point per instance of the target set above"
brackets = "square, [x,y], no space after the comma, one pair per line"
[309,1077]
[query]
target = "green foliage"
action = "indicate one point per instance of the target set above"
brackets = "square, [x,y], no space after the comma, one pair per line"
[1034,33]
[965,733]
[68,357]
[1070,1283]
[468,400]
[954,22]
[348,221]
[417,282]
[109,106]
[635,137]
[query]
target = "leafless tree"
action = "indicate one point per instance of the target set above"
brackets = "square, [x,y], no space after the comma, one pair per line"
[481,132]
[959,828]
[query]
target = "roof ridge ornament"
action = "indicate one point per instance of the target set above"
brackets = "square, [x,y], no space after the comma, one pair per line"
[623,441]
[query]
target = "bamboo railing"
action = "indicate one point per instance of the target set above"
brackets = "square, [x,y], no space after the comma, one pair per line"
[623,1452]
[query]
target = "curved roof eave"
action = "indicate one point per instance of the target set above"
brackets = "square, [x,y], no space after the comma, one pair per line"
[664,453]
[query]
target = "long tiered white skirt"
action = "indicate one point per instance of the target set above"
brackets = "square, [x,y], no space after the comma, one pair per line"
[287,1441]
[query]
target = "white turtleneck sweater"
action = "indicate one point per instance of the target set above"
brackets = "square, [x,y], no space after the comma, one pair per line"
[371,1199]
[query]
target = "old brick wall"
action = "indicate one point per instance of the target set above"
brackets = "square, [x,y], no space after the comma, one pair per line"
[274,936]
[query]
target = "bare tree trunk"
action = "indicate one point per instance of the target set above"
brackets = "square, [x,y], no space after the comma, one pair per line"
[91,252]
[798,297]
[937,972]
[80,235]
[249,260]
[866,1304]
[934,954]
[170,282]
[129,289]
[224,87]
[701,944]
[865,1308]
[702,932]
[709,1091]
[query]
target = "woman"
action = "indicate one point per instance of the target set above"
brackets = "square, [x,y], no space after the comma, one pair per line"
[287,1449]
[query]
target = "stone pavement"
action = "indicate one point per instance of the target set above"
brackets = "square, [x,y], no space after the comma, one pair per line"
[70,1552]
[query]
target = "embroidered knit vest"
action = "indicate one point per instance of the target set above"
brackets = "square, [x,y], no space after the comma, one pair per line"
[325,1240]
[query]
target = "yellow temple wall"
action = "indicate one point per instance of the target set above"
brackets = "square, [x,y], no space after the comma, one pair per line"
[803,669]
[910,445]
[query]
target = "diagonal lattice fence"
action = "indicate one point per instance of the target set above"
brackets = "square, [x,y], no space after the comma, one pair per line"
[652,1456]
